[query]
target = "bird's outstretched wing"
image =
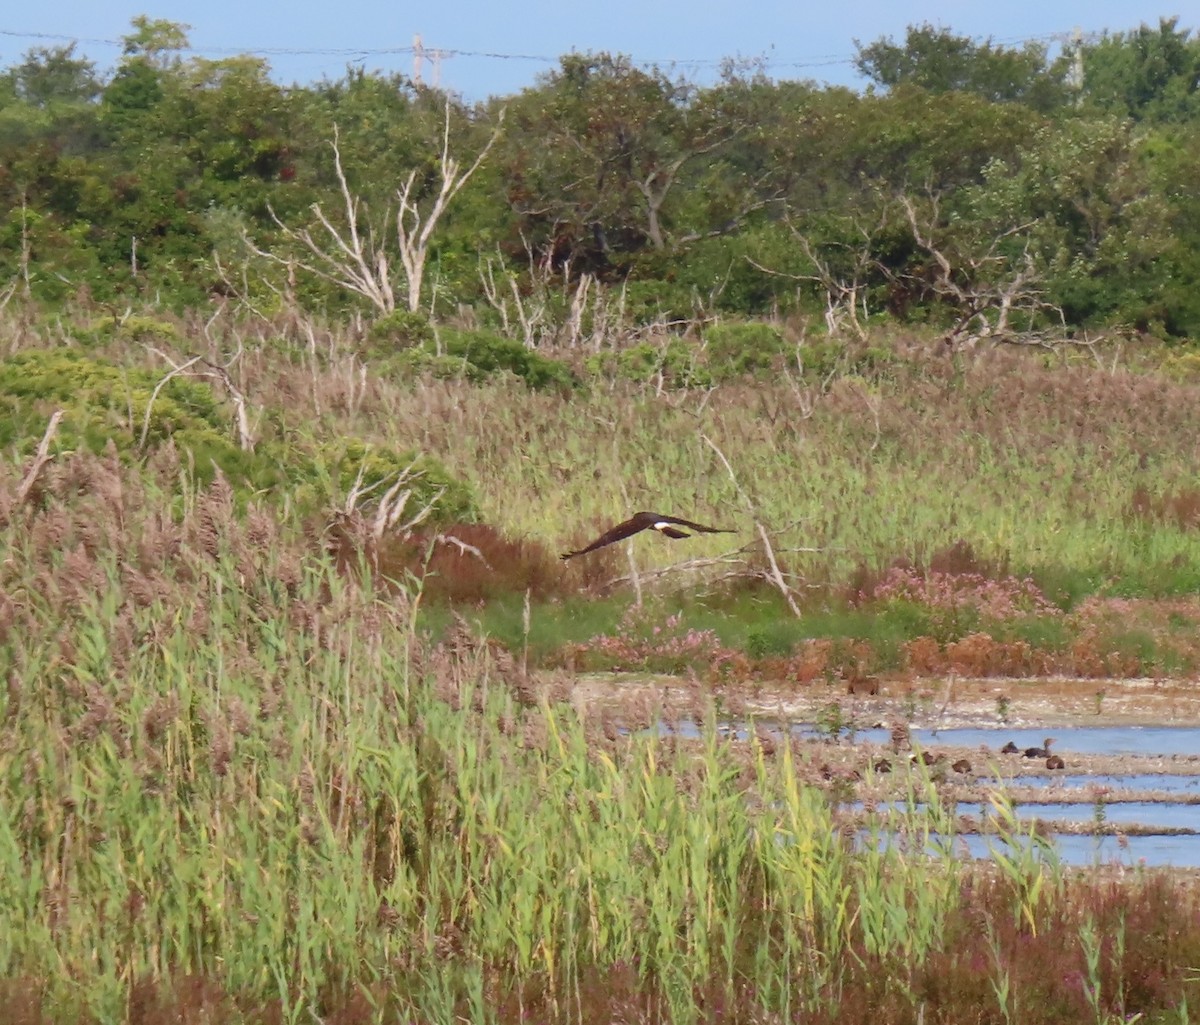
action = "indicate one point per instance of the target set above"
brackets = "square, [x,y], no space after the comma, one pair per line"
[644,521]
[699,527]
[612,535]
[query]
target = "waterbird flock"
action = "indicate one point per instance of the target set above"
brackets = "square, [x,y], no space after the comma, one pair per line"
[900,738]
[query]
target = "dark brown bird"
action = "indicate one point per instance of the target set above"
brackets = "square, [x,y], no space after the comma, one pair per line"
[962,765]
[1040,752]
[883,765]
[1009,749]
[1054,762]
[646,521]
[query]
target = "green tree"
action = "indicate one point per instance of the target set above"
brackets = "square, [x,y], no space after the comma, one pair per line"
[54,75]
[1151,74]
[194,143]
[48,130]
[1081,201]
[601,154]
[940,61]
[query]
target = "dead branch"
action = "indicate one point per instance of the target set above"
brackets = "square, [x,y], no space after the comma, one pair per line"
[221,373]
[414,230]
[845,289]
[40,459]
[390,508]
[734,557]
[463,547]
[776,576]
[988,288]
[174,372]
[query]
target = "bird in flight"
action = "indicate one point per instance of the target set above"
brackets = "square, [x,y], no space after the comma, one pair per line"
[668,525]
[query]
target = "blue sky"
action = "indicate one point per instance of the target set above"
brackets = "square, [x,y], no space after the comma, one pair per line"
[502,47]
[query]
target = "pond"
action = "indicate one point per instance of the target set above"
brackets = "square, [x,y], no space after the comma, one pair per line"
[1153,804]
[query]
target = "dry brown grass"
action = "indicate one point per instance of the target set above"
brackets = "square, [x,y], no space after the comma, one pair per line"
[1180,506]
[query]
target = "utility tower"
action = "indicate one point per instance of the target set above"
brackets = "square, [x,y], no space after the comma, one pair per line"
[420,53]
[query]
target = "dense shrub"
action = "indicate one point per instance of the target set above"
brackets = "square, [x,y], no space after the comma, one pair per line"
[672,362]
[477,355]
[737,348]
[134,328]
[106,402]
[400,329]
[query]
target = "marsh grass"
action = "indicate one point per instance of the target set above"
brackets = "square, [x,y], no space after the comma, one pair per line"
[247,778]
[238,786]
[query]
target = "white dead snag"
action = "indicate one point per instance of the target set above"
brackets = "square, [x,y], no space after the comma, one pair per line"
[176,370]
[391,509]
[220,372]
[414,229]
[7,293]
[353,258]
[341,256]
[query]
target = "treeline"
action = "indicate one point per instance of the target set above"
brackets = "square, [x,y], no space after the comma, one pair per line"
[972,186]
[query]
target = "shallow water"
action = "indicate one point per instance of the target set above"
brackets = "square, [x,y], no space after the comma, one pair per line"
[1151,814]
[1179,741]
[1164,782]
[1080,740]
[1175,742]
[1070,849]
[1148,814]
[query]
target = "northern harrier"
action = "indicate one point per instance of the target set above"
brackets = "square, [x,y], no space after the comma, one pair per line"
[646,521]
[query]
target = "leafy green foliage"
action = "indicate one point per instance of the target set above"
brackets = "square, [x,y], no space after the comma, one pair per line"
[938,60]
[679,200]
[735,349]
[401,329]
[477,355]
[106,403]
[672,361]
[1150,74]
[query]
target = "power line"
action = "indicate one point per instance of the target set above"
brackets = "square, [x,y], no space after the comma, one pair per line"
[393,51]
[363,53]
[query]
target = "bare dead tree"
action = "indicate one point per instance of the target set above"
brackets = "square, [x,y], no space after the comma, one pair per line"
[995,295]
[353,256]
[531,312]
[374,510]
